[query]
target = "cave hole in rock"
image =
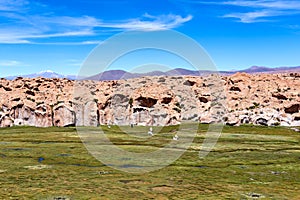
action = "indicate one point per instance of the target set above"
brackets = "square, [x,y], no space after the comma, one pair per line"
[234,88]
[146,102]
[166,100]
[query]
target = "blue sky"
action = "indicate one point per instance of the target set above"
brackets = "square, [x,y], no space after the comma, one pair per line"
[59,35]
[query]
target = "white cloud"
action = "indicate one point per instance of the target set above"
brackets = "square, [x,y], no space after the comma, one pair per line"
[91,42]
[13,5]
[62,34]
[21,24]
[262,10]
[271,4]
[150,23]
[13,36]
[265,9]
[13,41]
[27,28]
[83,21]
[88,42]
[296,27]
[251,17]
[74,62]
[10,63]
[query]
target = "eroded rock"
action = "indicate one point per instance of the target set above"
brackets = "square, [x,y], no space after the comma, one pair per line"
[266,99]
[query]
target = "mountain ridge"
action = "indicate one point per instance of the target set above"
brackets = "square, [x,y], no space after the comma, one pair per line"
[122,74]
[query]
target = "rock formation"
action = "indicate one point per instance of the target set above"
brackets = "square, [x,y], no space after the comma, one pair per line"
[264,99]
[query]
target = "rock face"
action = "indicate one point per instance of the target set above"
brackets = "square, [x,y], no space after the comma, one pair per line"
[264,99]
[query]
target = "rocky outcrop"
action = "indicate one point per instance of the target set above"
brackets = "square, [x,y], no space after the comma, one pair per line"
[263,99]
[292,109]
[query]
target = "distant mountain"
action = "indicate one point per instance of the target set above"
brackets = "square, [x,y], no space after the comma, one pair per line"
[44,74]
[111,75]
[186,72]
[154,73]
[180,71]
[257,69]
[121,74]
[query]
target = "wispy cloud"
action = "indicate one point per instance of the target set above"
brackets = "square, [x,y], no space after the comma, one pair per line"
[251,17]
[74,62]
[13,5]
[82,21]
[88,42]
[270,4]
[295,27]
[264,10]
[14,36]
[257,10]
[150,23]
[27,27]
[11,63]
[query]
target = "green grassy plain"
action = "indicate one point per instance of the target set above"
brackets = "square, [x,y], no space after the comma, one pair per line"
[248,162]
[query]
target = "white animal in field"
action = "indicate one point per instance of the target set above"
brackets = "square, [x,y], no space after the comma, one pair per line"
[175,137]
[150,132]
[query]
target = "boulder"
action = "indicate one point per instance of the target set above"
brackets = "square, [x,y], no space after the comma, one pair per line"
[63,116]
[19,122]
[206,118]
[232,120]
[262,121]
[6,122]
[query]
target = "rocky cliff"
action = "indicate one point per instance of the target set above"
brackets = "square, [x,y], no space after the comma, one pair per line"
[265,99]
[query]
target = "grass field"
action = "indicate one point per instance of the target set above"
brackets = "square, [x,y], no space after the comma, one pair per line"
[248,162]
